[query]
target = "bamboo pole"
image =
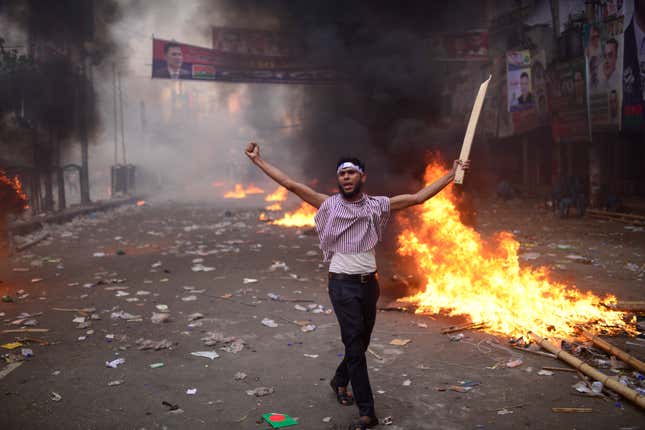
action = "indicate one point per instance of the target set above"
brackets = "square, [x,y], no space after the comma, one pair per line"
[591,371]
[613,350]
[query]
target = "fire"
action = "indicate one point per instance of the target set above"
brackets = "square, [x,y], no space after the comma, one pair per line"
[302,217]
[141,202]
[14,200]
[278,195]
[465,276]
[239,192]
[274,207]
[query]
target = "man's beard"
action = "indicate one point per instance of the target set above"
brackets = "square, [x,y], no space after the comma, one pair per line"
[348,195]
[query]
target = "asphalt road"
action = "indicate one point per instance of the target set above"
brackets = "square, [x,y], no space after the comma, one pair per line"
[195,259]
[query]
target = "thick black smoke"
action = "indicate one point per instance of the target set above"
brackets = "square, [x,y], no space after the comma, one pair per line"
[387,108]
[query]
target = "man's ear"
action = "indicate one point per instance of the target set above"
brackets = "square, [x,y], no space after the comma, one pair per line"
[363,178]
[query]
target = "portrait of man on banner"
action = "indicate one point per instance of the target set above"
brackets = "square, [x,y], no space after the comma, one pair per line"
[633,108]
[519,78]
[172,66]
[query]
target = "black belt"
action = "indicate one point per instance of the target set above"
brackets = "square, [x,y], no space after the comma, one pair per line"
[363,278]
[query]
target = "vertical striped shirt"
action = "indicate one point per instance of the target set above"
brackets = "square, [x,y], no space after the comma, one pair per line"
[351,227]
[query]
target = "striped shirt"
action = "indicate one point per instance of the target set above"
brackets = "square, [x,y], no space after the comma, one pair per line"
[351,227]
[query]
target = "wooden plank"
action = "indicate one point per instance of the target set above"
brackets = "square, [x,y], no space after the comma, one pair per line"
[9,368]
[572,409]
[470,130]
[26,330]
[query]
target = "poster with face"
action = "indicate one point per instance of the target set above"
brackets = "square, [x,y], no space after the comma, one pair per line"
[603,43]
[519,84]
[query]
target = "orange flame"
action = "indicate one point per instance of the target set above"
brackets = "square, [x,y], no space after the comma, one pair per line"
[465,276]
[278,195]
[141,202]
[239,192]
[302,217]
[12,194]
[274,207]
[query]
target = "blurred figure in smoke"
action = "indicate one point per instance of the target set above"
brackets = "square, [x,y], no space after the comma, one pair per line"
[350,224]
[172,69]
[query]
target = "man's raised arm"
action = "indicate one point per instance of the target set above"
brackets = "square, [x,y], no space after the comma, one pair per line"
[301,190]
[404,201]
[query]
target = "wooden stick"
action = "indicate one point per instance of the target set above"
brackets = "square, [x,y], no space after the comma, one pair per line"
[466,326]
[32,242]
[559,369]
[572,409]
[543,354]
[627,306]
[613,350]
[608,381]
[378,357]
[26,330]
[470,130]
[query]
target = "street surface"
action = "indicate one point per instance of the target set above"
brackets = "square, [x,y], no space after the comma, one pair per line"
[179,260]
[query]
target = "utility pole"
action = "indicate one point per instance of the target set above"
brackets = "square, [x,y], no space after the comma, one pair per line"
[86,101]
[125,160]
[116,133]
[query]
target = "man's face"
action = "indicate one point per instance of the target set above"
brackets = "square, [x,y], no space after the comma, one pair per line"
[524,86]
[610,59]
[350,182]
[174,57]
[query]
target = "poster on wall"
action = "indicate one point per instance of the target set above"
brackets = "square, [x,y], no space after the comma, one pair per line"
[518,79]
[568,100]
[633,108]
[603,45]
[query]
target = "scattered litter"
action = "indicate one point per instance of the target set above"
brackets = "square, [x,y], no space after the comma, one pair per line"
[99,254]
[300,308]
[194,317]
[249,281]
[596,387]
[326,419]
[269,323]
[201,268]
[162,308]
[400,342]
[115,383]
[530,256]
[121,293]
[545,373]
[504,411]
[10,368]
[11,345]
[115,363]
[274,296]
[156,365]
[240,376]
[307,328]
[279,265]
[407,383]
[514,363]
[279,420]
[206,354]
[311,355]
[260,391]
[78,320]
[191,391]
[158,318]
[125,316]
[55,396]
[26,352]
[457,337]
[189,298]
[387,421]
[145,344]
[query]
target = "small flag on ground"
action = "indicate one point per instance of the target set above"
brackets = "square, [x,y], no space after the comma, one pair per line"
[279,420]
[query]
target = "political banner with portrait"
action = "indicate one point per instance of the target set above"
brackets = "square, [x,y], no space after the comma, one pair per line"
[174,60]
[633,110]
[568,100]
[603,46]
[518,80]
[244,42]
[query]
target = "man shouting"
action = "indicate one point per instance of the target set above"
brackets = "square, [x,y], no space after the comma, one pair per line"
[349,226]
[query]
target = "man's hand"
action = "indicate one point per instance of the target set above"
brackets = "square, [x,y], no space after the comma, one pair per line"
[464,165]
[252,151]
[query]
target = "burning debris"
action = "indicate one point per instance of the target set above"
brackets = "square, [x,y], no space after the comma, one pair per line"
[465,276]
[241,192]
[301,217]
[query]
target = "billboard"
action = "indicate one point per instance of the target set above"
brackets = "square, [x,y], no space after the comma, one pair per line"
[633,109]
[568,100]
[603,44]
[175,60]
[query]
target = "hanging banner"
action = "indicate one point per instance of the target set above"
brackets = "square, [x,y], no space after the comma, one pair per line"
[256,43]
[518,78]
[603,45]
[568,101]
[174,60]
[633,110]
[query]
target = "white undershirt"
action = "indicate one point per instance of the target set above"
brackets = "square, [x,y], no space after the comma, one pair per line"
[352,264]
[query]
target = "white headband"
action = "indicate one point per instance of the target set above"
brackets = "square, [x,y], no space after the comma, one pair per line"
[348,165]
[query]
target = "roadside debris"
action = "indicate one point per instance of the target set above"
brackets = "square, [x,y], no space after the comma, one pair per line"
[260,391]
[206,354]
[158,318]
[145,344]
[115,363]
[279,420]
[55,396]
[269,323]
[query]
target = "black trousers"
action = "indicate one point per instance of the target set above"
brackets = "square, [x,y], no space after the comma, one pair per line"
[355,308]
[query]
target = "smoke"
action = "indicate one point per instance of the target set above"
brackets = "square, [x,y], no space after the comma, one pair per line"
[387,108]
